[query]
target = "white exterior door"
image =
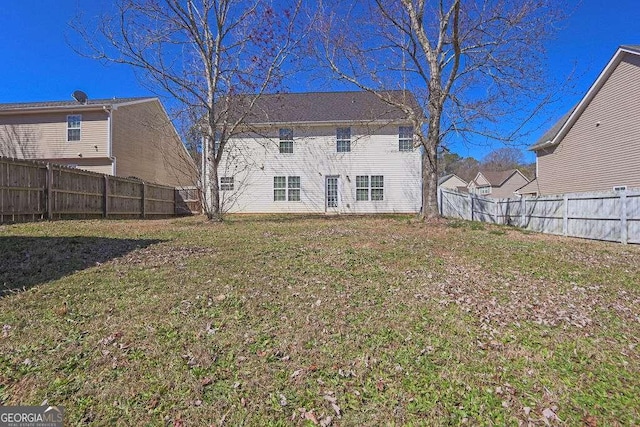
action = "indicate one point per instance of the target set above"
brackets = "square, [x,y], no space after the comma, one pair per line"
[332,196]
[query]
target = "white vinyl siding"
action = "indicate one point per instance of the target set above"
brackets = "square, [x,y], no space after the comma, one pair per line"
[263,182]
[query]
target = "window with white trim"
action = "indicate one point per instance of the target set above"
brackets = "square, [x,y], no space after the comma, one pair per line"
[362,188]
[286,141]
[226,183]
[73,127]
[377,187]
[369,188]
[405,138]
[484,190]
[343,140]
[286,188]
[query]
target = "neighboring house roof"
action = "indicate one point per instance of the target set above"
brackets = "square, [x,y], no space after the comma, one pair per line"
[529,188]
[554,135]
[330,107]
[18,107]
[445,178]
[497,178]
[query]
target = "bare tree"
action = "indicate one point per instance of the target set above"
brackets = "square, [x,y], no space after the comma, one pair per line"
[471,64]
[215,58]
[502,159]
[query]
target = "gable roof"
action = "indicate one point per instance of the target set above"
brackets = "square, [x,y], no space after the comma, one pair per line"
[554,135]
[445,178]
[497,178]
[20,107]
[330,107]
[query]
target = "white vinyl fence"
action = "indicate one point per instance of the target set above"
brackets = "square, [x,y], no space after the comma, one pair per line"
[611,216]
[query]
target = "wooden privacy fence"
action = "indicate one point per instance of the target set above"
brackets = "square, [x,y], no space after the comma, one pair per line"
[613,216]
[31,191]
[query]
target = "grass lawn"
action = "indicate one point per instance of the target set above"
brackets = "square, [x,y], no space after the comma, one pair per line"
[334,321]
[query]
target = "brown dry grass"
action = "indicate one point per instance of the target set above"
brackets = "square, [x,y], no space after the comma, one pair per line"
[341,321]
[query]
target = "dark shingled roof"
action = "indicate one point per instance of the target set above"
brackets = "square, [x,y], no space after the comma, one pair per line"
[66,104]
[329,107]
[634,47]
[549,135]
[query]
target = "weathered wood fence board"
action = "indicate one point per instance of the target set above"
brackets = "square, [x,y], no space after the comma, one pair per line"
[31,191]
[611,216]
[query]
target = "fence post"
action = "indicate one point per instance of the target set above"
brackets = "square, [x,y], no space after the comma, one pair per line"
[624,237]
[523,207]
[470,207]
[144,203]
[105,198]
[565,216]
[49,191]
[176,197]
[440,201]
[497,211]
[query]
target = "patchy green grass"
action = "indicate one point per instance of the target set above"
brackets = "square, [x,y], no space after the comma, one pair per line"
[334,321]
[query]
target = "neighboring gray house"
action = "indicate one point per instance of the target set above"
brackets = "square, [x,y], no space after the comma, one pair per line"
[453,182]
[500,184]
[323,152]
[596,146]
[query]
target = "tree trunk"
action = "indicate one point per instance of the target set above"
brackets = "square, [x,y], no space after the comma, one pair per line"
[214,212]
[430,183]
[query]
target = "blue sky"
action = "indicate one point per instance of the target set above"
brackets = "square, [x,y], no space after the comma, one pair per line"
[39,65]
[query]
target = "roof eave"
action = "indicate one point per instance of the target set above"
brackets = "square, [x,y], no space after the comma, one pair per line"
[593,90]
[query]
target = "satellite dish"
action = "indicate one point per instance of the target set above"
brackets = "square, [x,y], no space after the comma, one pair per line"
[80,96]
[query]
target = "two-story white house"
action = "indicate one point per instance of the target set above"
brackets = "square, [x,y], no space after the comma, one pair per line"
[325,152]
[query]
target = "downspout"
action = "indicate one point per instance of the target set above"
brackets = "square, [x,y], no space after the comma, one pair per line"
[110,155]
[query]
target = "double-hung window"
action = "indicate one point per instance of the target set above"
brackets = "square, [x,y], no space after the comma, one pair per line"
[286,188]
[286,141]
[405,138]
[73,127]
[343,140]
[369,188]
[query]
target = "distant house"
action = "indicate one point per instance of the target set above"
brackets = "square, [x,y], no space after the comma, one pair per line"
[596,145]
[453,182]
[128,137]
[323,152]
[500,184]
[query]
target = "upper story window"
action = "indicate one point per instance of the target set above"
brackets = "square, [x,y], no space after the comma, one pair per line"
[405,138]
[73,127]
[343,140]
[286,141]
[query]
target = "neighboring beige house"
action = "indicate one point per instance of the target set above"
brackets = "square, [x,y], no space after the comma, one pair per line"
[323,152]
[128,137]
[596,146]
[497,184]
[453,182]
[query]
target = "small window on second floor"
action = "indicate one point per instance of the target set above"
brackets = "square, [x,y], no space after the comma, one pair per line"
[343,140]
[286,141]
[73,127]
[405,138]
